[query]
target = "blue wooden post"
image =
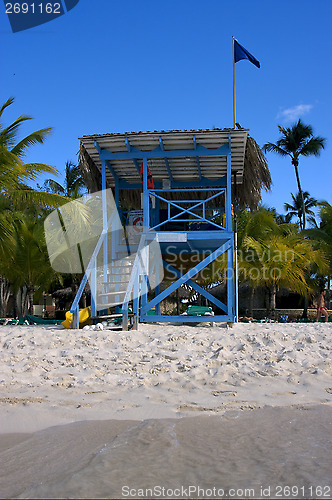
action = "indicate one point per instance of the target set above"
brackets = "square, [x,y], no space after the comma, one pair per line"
[236,280]
[104,207]
[76,324]
[229,227]
[94,288]
[146,225]
[116,192]
[146,218]
[156,272]
[157,289]
[157,212]
[136,298]
[116,232]
[228,208]
[230,280]
[145,272]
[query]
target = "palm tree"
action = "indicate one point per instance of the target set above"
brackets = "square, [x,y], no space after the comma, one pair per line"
[296,208]
[259,225]
[73,185]
[28,267]
[283,219]
[14,173]
[15,195]
[300,208]
[282,261]
[323,234]
[12,169]
[297,141]
[270,255]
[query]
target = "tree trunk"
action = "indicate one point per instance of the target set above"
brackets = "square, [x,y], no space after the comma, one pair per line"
[273,297]
[295,163]
[18,301]
[31,292]
[305,308]
[251,301]
[76,279]
[4,296]
[22,301]
[267,300]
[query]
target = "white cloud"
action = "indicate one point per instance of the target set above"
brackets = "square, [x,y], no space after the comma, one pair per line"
[294,113]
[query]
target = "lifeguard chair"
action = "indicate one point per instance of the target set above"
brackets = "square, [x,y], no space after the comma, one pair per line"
[179,183]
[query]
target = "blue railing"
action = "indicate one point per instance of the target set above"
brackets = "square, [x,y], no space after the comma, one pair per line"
[91,269]
[192,211]
[139,267]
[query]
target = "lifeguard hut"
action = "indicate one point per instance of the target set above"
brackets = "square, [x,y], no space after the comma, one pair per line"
[180,184]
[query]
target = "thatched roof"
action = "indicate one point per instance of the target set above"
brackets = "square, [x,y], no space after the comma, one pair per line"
[64,293]
[90,173]
[68,293]
[248,161]
[256,176]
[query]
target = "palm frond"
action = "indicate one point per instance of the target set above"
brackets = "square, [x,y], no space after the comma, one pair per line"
[8,134]
[52,186]
[34,169]
[9,101]
[37,137]
[275,148]
[44,200]
[313,146]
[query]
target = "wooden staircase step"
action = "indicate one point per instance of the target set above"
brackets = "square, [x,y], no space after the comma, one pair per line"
[111,316]
[106,294]
[124,282]
[111,293]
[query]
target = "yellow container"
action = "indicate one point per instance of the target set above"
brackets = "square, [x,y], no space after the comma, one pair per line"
[84,318]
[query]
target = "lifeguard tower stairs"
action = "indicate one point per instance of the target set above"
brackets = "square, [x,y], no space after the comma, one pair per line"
[179,183]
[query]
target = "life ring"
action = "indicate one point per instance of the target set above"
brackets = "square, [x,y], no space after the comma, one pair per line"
[138,224]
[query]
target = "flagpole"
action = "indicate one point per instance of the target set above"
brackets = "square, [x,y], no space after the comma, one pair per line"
[233,86]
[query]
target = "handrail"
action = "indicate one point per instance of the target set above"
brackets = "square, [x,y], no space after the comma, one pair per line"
[103,235]
[133,276]
[134,272]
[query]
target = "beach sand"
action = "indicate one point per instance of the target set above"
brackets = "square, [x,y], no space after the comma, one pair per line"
[268,373]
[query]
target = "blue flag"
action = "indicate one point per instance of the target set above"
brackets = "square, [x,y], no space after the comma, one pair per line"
[242,53]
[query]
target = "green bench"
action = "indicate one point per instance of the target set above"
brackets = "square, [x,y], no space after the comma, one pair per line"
[199,311]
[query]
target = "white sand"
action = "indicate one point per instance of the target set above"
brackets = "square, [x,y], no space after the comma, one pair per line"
[52,376]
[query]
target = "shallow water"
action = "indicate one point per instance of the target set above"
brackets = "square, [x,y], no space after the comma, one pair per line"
[255,454]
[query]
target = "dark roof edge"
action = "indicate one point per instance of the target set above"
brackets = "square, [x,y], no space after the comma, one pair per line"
[148,132]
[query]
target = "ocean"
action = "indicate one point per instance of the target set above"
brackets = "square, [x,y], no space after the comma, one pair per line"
[271,452]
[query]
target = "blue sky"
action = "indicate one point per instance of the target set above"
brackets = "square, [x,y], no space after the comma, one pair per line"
[111,66]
